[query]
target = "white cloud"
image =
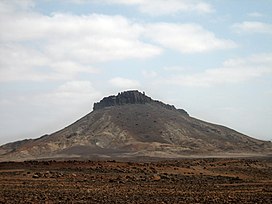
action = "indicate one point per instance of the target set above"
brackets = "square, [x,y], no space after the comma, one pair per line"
[186,38]
[18,63]
[255,14]
[39,47]
[100,38]
[60,46]
[22,63]
[68,96]
[83,38]
[76,87]
[232,71]
[71,93]
[15,5]
[166,7]
[252,27]
[175,69]
[124,83]
[46,111]
[149,73]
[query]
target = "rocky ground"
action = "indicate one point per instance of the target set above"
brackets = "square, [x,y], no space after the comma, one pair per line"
[174,181]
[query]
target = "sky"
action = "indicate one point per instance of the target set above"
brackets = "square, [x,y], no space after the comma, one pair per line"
[212,58]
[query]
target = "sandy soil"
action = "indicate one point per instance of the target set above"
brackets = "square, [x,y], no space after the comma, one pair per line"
[176,181]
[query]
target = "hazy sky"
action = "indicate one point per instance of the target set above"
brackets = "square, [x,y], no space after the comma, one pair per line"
[211,57]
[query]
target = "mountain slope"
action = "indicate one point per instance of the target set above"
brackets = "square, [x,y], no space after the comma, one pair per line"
[132,124]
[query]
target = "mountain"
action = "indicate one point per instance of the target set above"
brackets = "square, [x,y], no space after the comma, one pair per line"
[131,125]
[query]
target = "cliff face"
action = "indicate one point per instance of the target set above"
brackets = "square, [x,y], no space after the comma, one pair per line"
[127,97]
[132,97]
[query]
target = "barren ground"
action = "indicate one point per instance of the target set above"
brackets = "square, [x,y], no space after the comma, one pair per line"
[209,180]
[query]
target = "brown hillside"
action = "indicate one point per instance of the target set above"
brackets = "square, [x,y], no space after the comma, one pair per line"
[132,124]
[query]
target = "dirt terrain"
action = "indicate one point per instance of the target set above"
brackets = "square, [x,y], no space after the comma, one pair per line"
[209,180]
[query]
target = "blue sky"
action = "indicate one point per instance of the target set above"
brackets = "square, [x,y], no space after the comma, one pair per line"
[212,58]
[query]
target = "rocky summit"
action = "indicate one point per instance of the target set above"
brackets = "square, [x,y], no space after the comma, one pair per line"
[131,125]
[127,97]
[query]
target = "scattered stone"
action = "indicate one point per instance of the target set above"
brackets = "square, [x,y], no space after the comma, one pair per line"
[36,175]
[155,178]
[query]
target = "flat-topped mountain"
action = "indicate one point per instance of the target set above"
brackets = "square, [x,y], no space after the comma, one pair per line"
[131,97]
[131,125]
[128,97]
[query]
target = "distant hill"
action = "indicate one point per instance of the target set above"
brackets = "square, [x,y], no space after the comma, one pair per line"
[131,125]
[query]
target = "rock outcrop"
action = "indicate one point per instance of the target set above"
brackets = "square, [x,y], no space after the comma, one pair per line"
[132,97]
[127,97]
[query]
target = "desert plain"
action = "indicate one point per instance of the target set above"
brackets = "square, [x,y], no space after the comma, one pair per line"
[188,180]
